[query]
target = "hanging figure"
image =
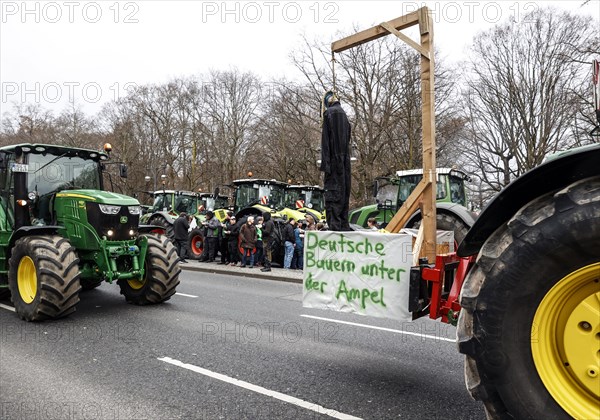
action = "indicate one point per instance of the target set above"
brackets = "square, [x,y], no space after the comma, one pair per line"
[335,162]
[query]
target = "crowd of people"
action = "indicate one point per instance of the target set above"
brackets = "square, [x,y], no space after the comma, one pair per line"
[246,243]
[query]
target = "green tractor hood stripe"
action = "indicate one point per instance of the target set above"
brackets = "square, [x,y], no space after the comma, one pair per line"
[101,197]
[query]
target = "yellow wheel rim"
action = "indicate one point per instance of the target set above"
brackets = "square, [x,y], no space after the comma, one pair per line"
[565,342]
[137,284]
[27,280]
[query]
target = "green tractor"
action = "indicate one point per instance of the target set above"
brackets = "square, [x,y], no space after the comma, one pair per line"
[60,232]
[306,199]
[391,192]
[166,208]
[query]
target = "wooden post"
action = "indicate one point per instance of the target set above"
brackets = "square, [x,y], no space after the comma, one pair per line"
[428,119]
[424,194]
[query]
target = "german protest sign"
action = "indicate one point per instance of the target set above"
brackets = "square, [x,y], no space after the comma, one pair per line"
[364,272]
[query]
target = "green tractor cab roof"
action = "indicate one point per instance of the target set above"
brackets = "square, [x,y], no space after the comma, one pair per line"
[55,150]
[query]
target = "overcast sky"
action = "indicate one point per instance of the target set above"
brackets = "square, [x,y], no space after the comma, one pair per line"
[52,52]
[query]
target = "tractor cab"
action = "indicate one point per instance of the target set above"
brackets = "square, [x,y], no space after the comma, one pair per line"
[307,199]
[175,202]
[253,196]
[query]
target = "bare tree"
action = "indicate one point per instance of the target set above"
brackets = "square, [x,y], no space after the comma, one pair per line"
[523,93]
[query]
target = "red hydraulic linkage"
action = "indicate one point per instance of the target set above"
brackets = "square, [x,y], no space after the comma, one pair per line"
[445,264]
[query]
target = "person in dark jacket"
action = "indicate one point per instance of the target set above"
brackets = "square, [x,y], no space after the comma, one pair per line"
[224,242]
[181,226]
[212,225]
[335,163]
[267,236]
[289,239]
[248,235]
[234,233]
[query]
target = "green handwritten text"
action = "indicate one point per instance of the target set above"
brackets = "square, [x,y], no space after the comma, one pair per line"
[380,270]
[310,284]
[365,295]
[343,244]
[342,266]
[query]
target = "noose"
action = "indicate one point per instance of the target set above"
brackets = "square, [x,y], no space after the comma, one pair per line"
[334,88]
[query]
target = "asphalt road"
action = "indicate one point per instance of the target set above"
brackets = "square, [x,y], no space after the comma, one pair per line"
[227,347]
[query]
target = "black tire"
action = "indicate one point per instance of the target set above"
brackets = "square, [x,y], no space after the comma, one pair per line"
[196,244]
[89,284]
[448,222]
[51,264]
[161,275]
[547,241]
[164,223]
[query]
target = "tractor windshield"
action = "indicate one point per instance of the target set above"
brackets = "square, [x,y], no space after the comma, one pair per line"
[316,199]
[408,183]
[387,192]
[245,196]
[49,174]
[292,196]
[275,196]
[186,203]
[162,202]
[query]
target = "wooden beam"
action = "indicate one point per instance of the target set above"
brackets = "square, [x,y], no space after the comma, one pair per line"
[409,207]
[375,32]
[404,38]
[428,113]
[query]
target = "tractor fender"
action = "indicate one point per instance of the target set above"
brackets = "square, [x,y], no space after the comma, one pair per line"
[554,174]
[460,212]
[165,215]
[32,230]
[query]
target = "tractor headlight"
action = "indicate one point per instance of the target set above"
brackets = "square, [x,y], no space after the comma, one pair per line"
[110,233]
[107,209]
[135,210]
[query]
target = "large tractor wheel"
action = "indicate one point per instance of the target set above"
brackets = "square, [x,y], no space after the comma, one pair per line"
[43,277]
[530,324]
[161,274]
[162,222]
[196,243]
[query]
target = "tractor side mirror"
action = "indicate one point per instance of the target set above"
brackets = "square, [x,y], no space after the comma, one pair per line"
[123,170]
[216,193]
[375,188]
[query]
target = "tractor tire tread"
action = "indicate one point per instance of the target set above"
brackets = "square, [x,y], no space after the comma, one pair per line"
[58,284]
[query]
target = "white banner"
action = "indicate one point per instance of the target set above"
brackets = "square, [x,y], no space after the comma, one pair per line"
[359,272]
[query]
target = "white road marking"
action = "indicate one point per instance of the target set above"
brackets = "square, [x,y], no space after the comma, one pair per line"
[433,337]
[186,295]
[259,389]
[8,308]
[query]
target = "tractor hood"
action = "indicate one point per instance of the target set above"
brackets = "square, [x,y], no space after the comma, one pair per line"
[100,197]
